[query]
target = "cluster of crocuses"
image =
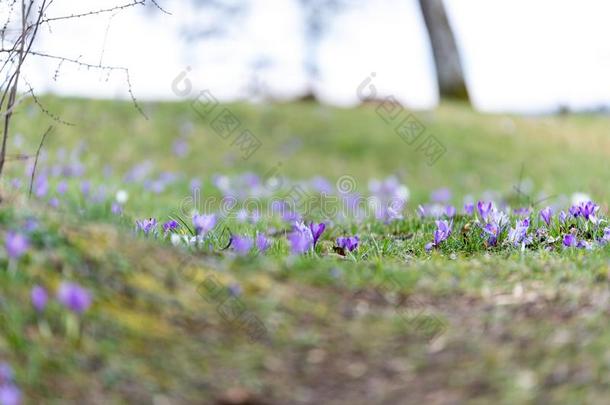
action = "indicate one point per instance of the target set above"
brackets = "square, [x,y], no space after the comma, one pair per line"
[388,198]
[242,245]
[71,295]
[60,177]
[348,243]
[10,394]
[581,220]
[492,221]
[68,166]
[496,228]
[302,238]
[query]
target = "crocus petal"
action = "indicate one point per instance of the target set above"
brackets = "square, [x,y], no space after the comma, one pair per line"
[316,231]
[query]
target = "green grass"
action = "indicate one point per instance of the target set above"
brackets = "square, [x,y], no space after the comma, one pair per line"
[510,327]
[559,154]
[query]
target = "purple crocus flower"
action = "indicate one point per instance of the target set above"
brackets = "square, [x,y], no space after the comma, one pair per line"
[492,229]
[39,298]
[575,211]
[421,210]
[606,237]
[321,185]
[10,395]
[450,211]
[16,245]
[432,211]
[62,187]
[255,216]
[468,208]
[522,212]
[41,187]
[234,289]
[170,225]
[180,147]
[569,240]
[394,209]
[278,207]
[100,195]
[85,187]
[484,209]
[301,239]
[262,243]
[443,231]
[241,244]
[316,231]
[546,214]
[518,234]
[585,209]
[242,215]
[194,184]
[74,297]
[290,216]
[441,195]
[146,225]
[300,242]
[204,223]
[31,224]
[116,208]
[563,216]
[349,243]
[588,210]
[6,374]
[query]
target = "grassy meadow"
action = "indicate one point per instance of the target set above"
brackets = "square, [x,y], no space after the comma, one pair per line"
[390,322]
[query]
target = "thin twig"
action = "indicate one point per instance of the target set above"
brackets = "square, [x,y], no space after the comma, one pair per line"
[160,8]
[91,13]
[36,160]
[134,100]
[44,110]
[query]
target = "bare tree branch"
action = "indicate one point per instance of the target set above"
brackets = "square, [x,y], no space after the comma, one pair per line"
[18,33]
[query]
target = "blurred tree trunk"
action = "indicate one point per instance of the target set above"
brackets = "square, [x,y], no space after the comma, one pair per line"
[449,72]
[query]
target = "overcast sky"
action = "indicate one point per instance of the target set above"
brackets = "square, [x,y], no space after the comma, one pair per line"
[518,55]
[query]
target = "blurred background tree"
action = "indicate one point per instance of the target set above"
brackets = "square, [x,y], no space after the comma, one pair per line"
[449,73]
[317,17]
[218,18]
